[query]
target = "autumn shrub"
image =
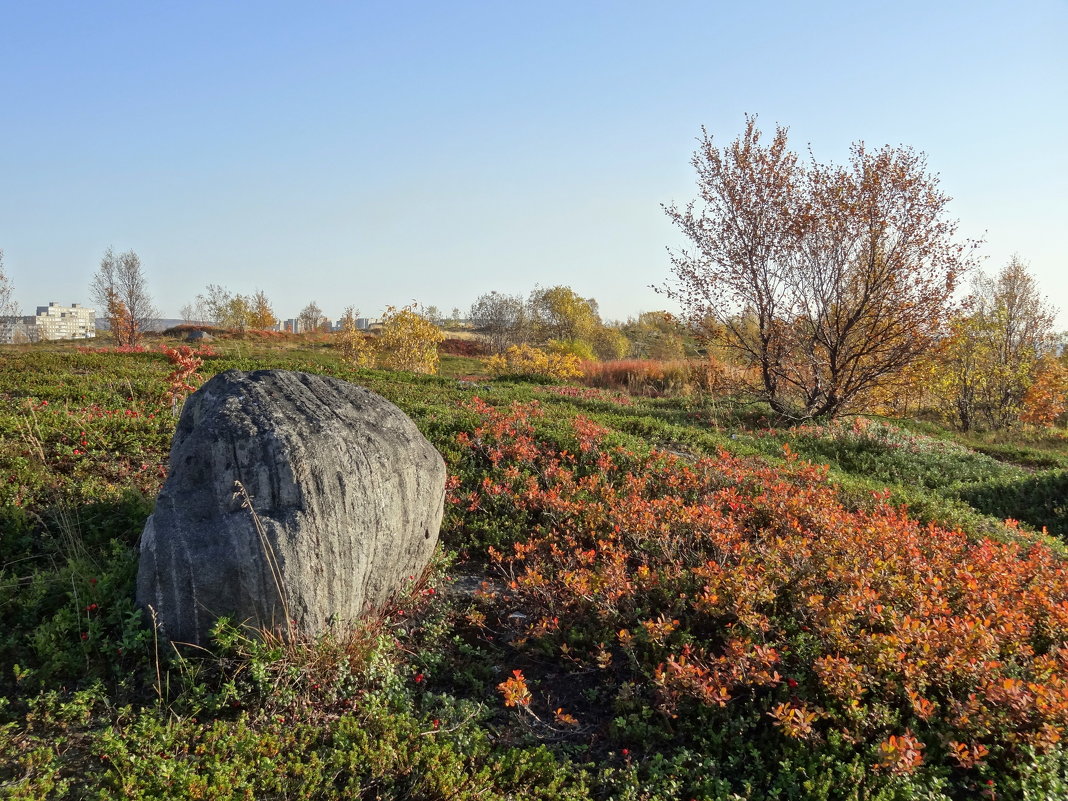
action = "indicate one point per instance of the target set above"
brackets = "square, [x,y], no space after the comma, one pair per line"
[357,348]
[124,326]
[526,360]
[180,381]
[721,589]
[408,341]
[1047,397]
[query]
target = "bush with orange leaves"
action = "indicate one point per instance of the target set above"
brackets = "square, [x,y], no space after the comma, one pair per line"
[1047,397]
[723,588]
[514,690]
[186,362]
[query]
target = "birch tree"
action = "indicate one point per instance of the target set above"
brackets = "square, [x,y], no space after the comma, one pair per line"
[827,279]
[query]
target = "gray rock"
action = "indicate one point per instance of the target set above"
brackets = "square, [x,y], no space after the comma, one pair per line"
[341,503]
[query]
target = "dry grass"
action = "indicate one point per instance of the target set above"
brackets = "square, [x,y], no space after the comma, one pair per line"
[655,378]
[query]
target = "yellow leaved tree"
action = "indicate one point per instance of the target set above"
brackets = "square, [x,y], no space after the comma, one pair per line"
[528,360]
[995,351]
[408,341]
[357,348]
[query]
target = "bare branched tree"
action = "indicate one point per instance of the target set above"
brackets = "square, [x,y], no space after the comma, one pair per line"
[828,280]
[215,303]
[434,315]
[501,318]
[120,290]
[11,330]
[8,306]
[311,318]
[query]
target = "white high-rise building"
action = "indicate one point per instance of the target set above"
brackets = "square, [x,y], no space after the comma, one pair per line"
[51,322]
[65,322]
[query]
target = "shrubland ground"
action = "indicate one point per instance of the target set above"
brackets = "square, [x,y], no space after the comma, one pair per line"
[637,598]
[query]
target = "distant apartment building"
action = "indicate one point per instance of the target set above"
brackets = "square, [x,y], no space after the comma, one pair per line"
[15,331]
[296,326]
[51,322]
[65,322]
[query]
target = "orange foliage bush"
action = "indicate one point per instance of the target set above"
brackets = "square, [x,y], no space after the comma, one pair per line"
[1047,397]
[124,327]
[186,362]
[514,690]
[724,582]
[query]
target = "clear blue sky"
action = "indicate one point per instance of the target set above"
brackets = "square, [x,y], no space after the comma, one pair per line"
[382,152]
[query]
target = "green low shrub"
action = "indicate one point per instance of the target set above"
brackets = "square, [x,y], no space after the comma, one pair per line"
[1039,500]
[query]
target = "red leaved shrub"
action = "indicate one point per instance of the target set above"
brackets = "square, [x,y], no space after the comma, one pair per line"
[727,583]
[186,361]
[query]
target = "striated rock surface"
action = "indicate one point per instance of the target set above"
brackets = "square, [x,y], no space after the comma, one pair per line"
[342,500]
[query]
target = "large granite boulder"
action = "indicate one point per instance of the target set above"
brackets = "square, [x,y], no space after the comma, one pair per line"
[293,502]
